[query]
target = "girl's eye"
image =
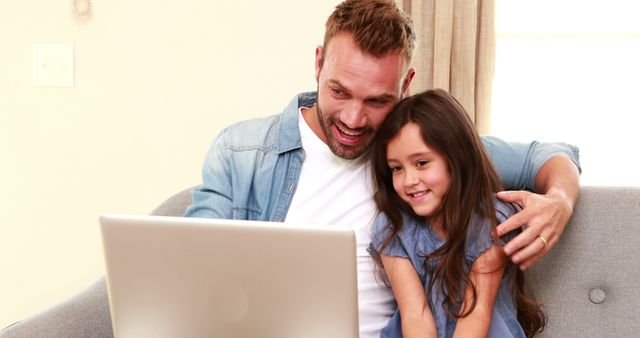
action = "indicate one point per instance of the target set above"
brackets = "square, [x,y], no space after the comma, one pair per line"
[394,168]
[422,163]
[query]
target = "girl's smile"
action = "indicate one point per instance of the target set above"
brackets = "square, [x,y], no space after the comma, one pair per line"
[420,174]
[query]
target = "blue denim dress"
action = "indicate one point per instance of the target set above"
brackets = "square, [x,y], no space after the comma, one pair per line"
[417,239]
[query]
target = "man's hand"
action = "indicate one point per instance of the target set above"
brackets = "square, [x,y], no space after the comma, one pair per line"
[546,216]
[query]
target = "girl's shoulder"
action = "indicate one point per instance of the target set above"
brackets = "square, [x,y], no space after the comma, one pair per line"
[504,210]
[411,232]
[381,225]
[381,230]
[481,231]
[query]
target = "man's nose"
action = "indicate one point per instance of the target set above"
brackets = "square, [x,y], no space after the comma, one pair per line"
[354,115]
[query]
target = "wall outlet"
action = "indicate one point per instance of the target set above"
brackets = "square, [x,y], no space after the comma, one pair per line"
[53,64]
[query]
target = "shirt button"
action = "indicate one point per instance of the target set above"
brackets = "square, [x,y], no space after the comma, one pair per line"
[596,296]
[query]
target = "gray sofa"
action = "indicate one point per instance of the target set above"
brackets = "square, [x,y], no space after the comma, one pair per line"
[589,283]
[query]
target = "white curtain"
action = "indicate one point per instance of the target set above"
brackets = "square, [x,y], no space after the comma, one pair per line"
[456,51]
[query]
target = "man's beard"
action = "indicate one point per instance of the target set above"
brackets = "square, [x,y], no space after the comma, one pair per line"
[339,149]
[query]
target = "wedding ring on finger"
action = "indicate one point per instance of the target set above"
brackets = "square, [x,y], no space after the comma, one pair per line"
[544,240]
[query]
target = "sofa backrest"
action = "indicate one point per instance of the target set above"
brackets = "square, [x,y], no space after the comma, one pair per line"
[589,283]
[175,205]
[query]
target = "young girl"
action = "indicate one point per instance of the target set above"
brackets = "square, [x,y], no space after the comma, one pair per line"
[434,236]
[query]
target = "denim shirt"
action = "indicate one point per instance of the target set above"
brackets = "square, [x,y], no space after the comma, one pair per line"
[252,168]
[417,239]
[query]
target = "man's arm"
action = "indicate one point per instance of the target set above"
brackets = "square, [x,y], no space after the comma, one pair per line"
[550,169]
[212,199]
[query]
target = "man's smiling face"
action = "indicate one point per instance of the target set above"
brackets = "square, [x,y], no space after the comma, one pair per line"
[356,91]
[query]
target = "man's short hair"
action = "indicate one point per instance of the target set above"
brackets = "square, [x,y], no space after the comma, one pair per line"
[377,26]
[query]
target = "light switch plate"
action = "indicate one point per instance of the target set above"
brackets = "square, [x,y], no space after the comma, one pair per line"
[53,64]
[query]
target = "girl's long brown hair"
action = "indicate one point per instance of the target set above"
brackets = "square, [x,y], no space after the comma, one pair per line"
[447,129]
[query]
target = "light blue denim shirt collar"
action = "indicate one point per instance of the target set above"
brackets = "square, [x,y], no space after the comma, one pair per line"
[287,140]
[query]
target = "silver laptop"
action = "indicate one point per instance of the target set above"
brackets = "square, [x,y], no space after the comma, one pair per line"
[188,277]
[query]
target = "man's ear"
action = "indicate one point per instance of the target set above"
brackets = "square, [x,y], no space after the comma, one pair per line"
[407,80]
[318,61]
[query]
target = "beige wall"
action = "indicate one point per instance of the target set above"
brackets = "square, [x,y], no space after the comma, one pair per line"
[154,82]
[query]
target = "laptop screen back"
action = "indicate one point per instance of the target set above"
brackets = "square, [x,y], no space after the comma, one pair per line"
[186,277]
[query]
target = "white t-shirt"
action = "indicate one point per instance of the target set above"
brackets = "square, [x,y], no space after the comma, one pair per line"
[336,191]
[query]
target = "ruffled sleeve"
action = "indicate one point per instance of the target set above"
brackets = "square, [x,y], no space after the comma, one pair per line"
[479,237]
[381,230]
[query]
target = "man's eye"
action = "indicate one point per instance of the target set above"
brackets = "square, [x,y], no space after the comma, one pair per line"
[379,102]
[337,91]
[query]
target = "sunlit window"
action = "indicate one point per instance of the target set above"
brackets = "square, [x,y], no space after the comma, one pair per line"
[570,71]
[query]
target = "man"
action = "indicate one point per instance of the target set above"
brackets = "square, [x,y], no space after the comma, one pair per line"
[307,164]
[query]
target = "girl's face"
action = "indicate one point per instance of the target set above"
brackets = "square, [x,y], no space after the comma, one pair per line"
[420,174]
